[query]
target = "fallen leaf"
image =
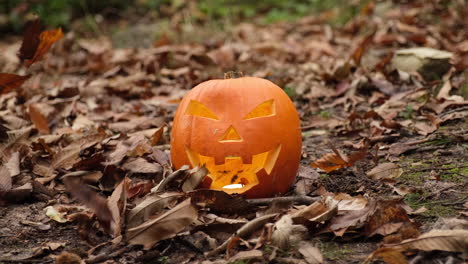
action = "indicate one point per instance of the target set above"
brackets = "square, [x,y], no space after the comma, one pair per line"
[20,194]
[69,156]
[337,160]
[151,205]
[9,169]
[362,46]
[392,255]
[117,204]
[140,189]
[38,119]
[32,31]
[55,215]
[219,201]
[306,177]
[127,148]
[157,136]
[385,171]
[385,218]
[37,225]
[97,203]
[141,165]
[346,202]
[244,231]
[196,176]
[163,227]
[311,254]
[444,240]
[46,40]
[246,255]
[286,233]
[309,212]
[430,63]
[9,82]
[356,218]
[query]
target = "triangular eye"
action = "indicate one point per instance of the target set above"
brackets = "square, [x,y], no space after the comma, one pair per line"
[266,108]
[198,109]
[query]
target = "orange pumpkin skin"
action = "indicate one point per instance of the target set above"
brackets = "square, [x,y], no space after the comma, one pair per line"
[246,131]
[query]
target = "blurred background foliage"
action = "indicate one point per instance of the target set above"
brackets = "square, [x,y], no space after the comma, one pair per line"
[54,13]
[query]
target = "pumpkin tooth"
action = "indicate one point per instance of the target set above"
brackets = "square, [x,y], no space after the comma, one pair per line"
[233,175]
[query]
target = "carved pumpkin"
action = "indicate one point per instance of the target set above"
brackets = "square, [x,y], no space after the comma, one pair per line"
[245,131]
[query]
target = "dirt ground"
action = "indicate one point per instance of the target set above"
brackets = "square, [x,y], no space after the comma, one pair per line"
[100,114]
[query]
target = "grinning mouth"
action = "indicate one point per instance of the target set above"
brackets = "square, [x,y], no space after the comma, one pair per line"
[235,176]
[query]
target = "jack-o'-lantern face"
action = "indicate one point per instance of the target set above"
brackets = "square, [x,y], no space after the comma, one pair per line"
[246,133]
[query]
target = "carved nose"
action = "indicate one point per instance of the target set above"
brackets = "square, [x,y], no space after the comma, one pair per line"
[231,135]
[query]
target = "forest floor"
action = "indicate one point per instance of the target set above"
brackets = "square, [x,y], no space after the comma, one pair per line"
[85,142]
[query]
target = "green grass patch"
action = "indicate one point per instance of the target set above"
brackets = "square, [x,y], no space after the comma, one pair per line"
[334,251]
[407,113]
[416,177]
[56,13]
[434,208]
[453,174]
[440,141]
[290,91]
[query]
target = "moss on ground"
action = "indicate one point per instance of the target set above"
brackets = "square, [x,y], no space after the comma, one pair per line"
[334,251]
[434,208]
[409,177]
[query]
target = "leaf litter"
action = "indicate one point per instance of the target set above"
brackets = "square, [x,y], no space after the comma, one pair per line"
[84,137]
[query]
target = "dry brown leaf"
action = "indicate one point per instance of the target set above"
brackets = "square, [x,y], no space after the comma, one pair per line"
[357,53]
[151,205]
[219,201]
[386,170]
[163,227]
[384,219]
[196,176]
[9,169]
[132,146]
[309,212]
[32,31]
[392,255]
[117,204]
[5,180]
[286,233]
[9,82]
[334,161]
[97,203]
[69,156]
[246,255]
[38,119]
[311,254]
[157,135]
[444,240]
[244,231]
[46,40]
[355,218]
[305,180]
[141,165]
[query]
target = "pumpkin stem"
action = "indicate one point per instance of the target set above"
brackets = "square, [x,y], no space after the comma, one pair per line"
[233,74]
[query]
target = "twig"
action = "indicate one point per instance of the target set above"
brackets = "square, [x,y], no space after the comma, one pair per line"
[244,231]
[436,193]
[453,111]
[294,199]
[105,256]
[162,185]
[438,168]
[6,260]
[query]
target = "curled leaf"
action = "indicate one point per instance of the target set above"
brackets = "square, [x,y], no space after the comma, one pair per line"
[9,82]
[38,119]
[163,227]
